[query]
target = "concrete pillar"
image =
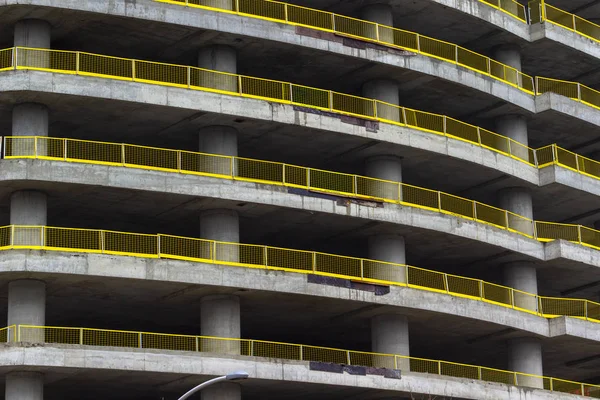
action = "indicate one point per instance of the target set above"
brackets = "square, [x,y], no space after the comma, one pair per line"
[33,33]
[525,355]
[28,207]
[24,386]
[389,335]
[509,54]
[220,317]
[223,226]
[27,306]
[218,58]
[522,276]
[387,168]
[388,248]
[218,139]
[29,119]
[515,128]
[385,91]
[518,201]
[381,14]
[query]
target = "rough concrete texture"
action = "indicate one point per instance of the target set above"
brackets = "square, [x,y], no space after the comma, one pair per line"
[525,355]
[163,270]
[565,37]
[33,33]
[24,386]
[389,335]
[220,224]
[30,119]
[218,58]
[220,316]
[514,127]
[260,110]
[522,276]
[388,248]
[218,140]
[118,177]
[106,359]
[382,89]
[517,200]
[26,302]
[379,13]
[568,107]
[230,23]
[28,207]
[509,54]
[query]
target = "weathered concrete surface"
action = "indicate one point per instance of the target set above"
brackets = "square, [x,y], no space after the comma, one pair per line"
[106,359]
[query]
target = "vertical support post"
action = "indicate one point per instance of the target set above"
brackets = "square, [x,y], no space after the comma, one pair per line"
[439,368]
[579,91]
[446,285]
[12,235]
[314,261]
[179,160]
[123,153]
[489,66]
[444,122]
[237,7]
[189,76]
[65,148]
[102,241]
[283,166]
[81,336]
[512,298]
[348,357]
[479,373]
[506,216]
[440,201]
[301,352]
[479,136]
[579,233]
[77,62]
[240,89]
[197,344]
[377,32]
[331,100]
[333,22]
[133,70]
[481,290]
[362,269]
[158,245]
[140,340]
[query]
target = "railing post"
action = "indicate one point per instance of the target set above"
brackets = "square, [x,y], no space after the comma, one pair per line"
[440,201]
[102,240]
[375,109]
[301,352]
[404,116]
[140,340]
[333,22]
[197,344]
[582,389]
[489,66]
[475,210]
[66,141]
[512,298]
[42,235]
[362,269]
[308,178]
[446,285]
[331,100]
[348,357]
[133,70]
[12,235]
[509,147]
[158,245]
[240,91]
[285,10]
[189,77]
[540,307]
[579,233]
[237,7]
[444,122]
[15,58]
[479,136]
[395,362]
[266,256]
[179,161]
[214,251]
[481,290]
[377,32]
[479,373]
[506,216]
[81,336]
[585,310]
[579,91]
[35,146]
[77,63]
[439,368]
[123,153]
[314,262]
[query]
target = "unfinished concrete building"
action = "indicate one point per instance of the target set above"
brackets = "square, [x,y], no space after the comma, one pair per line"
[348,199]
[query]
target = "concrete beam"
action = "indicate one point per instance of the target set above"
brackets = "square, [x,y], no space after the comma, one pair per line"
[101,360]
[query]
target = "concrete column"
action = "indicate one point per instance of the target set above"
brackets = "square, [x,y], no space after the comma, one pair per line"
[381,14]
[29,119]
[33,33]
[218,58]
[24,386]
[221,140]
[223,226]
[387,168]
[28,207]
[385,91]
[522,276]
[389,335]
[525,355]
[515,128]
[509,54]
[222,391]
[388,248]
[220,317]
[27,306]
[518,201]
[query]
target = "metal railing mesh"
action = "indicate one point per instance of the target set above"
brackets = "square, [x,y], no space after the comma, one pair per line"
[287,351]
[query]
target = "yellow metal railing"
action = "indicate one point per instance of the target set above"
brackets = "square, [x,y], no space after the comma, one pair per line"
[289,351]
[573,90]
[374,32]
[290,260]
[336,183]
[510,7]
[540,11]
[71,62]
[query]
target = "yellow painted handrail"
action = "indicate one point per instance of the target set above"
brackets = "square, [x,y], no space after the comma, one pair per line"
[373,32]
[349,185]
[290,260]
[287,351]
[540,11]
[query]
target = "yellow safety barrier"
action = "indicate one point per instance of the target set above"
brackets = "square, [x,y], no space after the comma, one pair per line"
[290,260]
[511,7]
[373,32]
[289,351]
[540,11]
[245,169]
[573,90]
[287,93]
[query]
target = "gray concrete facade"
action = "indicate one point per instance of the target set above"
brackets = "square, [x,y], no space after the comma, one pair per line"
[390,335]
[518,201]
[525,355]
[220,317]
